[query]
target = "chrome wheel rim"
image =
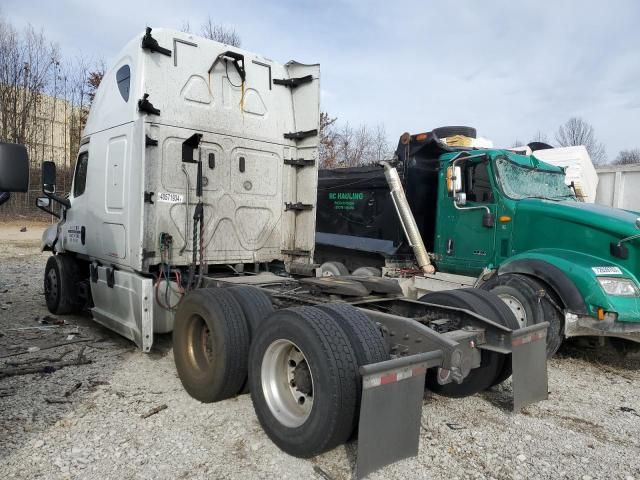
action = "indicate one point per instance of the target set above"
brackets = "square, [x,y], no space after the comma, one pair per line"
[516,307]
[287,383]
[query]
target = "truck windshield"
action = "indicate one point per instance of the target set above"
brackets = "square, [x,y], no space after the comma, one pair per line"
[520,182]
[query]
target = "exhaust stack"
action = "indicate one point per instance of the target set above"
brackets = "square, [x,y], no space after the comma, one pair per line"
[406,217]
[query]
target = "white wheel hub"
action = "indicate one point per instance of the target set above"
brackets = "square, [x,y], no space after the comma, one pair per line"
[516,307]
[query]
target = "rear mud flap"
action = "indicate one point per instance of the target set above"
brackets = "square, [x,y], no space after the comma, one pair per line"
[391,410]
[529,364]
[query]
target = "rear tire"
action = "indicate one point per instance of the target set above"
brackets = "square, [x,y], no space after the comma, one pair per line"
[504,316]
[255,303]
[60,291]
[302,353]
[211,344]
[333,269]
[256,306]
[364,337]
[531,302]
[491,363]
[367,272]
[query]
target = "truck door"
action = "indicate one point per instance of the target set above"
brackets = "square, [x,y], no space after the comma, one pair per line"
[465,237]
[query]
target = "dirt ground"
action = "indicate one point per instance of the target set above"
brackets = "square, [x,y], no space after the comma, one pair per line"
[84,421]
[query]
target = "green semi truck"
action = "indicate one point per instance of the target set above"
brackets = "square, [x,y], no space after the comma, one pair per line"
[493,219]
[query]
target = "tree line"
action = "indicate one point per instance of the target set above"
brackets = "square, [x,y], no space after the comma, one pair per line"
[44,103]
[577,131]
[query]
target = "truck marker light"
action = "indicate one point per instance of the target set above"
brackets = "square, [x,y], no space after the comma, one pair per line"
[600,313]
[505,218]
[422,137]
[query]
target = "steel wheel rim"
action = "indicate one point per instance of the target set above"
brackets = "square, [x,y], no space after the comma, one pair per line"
[288,402]
[51,285]
[516,307]
[199,344]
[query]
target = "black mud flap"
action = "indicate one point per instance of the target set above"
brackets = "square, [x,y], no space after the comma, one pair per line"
[529,364]
[391,410]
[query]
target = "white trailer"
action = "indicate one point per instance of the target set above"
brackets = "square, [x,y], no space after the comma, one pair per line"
[193,210]
[618,187]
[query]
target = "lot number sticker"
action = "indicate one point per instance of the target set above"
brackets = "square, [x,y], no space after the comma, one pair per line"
[606,270]
[169,197]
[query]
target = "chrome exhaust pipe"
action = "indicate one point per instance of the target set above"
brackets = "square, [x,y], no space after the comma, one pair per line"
[407,220]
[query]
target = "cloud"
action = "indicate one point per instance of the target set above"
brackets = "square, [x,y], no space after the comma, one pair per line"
[508,68]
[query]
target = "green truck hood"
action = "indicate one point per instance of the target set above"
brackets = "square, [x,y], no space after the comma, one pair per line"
[576,237]
[576,217]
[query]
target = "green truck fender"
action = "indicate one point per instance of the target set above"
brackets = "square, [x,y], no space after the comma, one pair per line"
[572,276]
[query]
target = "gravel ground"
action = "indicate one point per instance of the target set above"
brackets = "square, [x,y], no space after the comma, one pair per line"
[84,421]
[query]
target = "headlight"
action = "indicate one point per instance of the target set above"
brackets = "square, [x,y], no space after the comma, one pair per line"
[622,287]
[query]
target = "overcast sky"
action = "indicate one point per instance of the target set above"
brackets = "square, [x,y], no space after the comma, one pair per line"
[507,68]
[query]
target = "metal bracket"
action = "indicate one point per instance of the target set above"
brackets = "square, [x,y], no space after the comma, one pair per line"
[145,106]
[300,135]
[296,252]
[148,197]
[151,44]
[293,82]
[148,254]
[93,273]
[111,277]
[150,142]
[299,162]
[298,206]
[147,315]
[391,409]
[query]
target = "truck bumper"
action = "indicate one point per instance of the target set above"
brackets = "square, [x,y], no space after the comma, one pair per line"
[579,326]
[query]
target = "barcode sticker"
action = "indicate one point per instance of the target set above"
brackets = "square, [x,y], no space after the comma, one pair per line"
[606,270]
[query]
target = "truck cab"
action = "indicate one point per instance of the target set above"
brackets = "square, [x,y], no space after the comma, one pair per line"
[496,219]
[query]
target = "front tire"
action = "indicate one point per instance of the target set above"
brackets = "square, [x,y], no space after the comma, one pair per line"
[302,377]
[531,302]
[60,290]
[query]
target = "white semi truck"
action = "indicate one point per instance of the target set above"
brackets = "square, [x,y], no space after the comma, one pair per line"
[193,210]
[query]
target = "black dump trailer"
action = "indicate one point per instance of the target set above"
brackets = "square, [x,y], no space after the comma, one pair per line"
[357,223]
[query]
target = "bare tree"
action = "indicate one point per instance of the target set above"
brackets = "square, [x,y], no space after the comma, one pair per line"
[345,146]
[327,149]
[540,137]
[578,132]
[218,32]
[628,157]
[185,27]
[517,143]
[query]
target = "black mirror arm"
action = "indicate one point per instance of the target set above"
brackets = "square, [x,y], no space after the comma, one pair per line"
[49,211]
[62,201]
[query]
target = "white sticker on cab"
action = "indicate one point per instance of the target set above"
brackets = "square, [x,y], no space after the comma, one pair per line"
[606,270]
[170,197]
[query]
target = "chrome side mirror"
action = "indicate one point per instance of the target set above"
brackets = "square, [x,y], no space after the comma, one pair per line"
[43,202]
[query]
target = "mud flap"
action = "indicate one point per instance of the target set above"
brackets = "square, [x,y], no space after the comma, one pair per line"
[529,364]
[391,409]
